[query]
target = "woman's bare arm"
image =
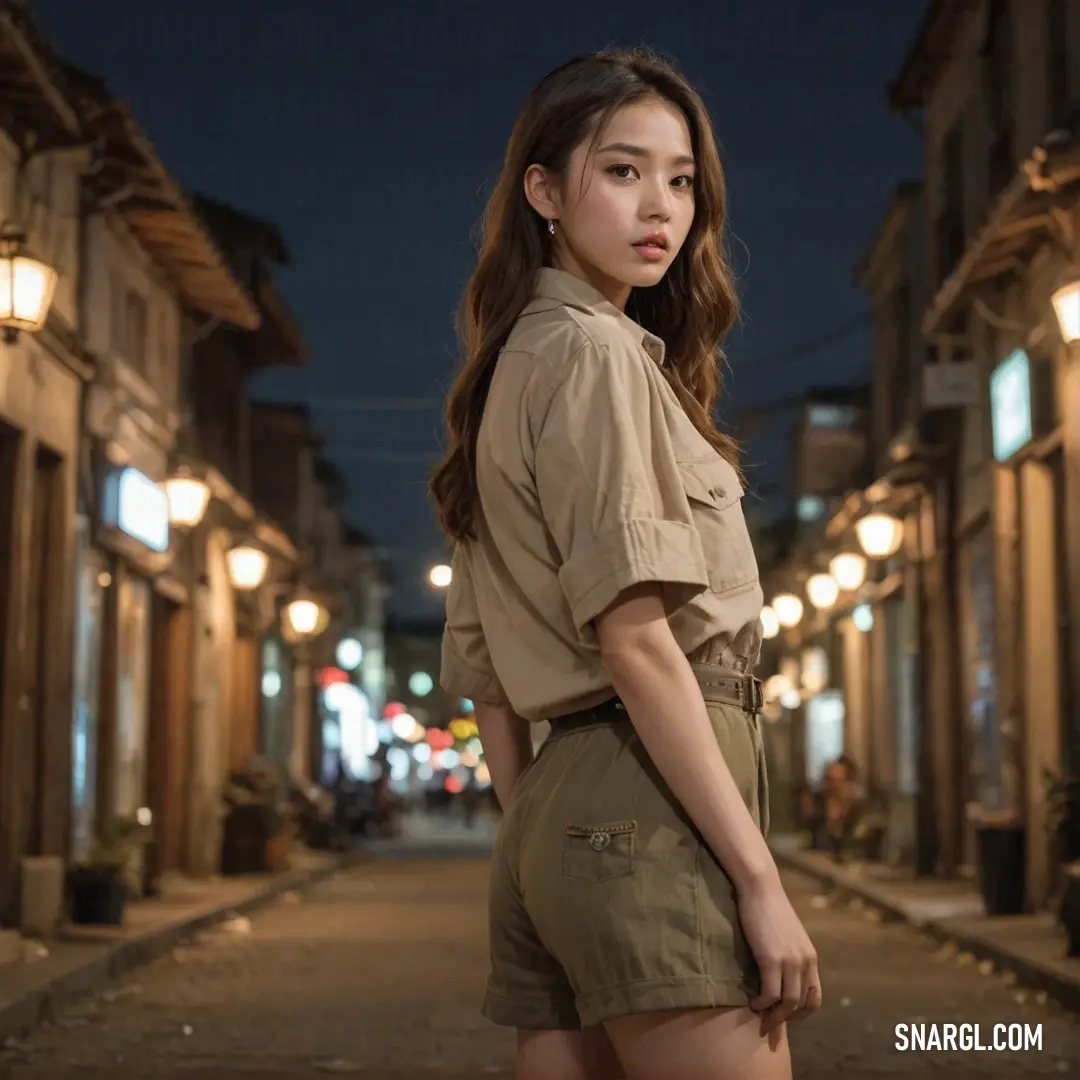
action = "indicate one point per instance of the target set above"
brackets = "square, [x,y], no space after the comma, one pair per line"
[655,682]
[508,750]
[657,685]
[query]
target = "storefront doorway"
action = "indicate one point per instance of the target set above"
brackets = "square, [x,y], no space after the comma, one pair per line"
[92,581]
[32,519]
[901,618]
[982,737]
[168,733]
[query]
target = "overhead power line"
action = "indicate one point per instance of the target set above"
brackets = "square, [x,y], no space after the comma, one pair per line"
[794,353]
[809,347]
[375,404]
[387,456]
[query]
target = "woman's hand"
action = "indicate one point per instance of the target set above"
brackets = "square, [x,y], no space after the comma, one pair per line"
[790,980]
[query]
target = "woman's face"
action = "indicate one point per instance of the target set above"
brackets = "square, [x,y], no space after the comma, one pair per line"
[626,204]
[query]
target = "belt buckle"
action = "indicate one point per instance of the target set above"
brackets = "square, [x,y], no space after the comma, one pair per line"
[752,695]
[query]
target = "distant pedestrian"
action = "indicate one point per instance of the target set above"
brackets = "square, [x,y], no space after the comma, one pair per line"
[604,579]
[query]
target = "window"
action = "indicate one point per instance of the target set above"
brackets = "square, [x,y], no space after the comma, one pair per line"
[130,319]
[132,694]
[832,416]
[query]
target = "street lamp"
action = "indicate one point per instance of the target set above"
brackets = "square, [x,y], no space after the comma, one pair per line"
[880,535]
[247,567]
[306,617]
[440,576]
[1066,303]
[188,498]
[822,590]
[27,286]
[849,569]
[788,608]
[776,686]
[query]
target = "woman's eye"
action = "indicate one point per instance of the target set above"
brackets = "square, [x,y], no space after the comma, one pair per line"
[683,181]
[623,172]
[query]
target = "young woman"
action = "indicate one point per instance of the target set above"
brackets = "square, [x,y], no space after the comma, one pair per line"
[604,580]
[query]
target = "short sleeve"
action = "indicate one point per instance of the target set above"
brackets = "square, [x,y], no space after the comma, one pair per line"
[466,668]
[609,485]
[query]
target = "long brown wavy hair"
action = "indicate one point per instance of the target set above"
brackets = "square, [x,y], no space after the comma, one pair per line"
[690,310]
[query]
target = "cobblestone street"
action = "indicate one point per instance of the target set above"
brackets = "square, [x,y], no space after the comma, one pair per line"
[378,973]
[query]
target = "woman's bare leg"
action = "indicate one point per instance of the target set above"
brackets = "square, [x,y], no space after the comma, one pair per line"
[700,1044]
[567,1055]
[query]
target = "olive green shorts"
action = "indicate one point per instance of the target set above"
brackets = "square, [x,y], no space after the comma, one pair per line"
[604,901]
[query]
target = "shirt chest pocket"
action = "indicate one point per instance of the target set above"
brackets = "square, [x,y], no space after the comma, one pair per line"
[715,496]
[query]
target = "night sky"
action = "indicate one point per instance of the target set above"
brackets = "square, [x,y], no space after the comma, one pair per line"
[371,133]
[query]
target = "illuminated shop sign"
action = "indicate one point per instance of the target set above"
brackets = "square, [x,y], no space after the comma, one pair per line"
[138,507]
[1010,404]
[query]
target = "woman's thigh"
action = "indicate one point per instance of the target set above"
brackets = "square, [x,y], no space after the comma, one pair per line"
[567,1055]
[699,1044]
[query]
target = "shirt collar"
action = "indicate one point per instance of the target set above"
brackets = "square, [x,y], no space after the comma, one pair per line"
[558,287]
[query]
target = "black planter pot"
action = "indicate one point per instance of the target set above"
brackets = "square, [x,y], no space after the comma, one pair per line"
[1002,869]
[874,844]
[98,895]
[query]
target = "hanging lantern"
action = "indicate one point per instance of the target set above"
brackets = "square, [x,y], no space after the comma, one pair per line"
[27,286]
[849,569]
[880,535]
[776,686]
[247,567]
[822,590]
[305,616]
[1066,303]
[788,608]
[188,498]
[770,624]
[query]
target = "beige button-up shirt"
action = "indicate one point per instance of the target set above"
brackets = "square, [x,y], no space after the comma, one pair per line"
[591,479]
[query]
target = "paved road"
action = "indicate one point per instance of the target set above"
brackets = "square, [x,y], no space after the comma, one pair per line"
[378,972]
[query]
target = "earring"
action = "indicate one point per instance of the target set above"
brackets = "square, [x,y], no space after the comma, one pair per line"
[551,227]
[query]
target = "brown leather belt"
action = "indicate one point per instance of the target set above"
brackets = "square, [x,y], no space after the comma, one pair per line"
[722,687]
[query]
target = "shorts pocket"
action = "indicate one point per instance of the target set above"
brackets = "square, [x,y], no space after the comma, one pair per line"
[599,852]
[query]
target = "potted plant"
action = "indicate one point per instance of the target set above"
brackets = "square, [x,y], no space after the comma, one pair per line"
[100,885]
[253,828]
[1063,824]
[1002,861]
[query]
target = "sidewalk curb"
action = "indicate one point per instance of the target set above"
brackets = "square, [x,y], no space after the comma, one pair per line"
[19,1016]
[1031,974]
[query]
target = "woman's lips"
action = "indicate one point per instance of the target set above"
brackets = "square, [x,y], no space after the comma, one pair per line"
[651,252]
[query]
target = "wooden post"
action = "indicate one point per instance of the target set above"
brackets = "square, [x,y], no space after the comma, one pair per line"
[1070,408]
[1040,666]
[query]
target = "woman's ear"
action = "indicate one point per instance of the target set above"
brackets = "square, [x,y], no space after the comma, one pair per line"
[542,192]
